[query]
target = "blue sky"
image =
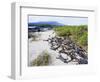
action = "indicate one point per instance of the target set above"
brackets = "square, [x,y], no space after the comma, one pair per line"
[63,20]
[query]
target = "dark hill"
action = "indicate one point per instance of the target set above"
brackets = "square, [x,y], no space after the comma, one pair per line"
[45,23]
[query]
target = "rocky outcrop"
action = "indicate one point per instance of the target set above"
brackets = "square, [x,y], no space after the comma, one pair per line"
[66,47]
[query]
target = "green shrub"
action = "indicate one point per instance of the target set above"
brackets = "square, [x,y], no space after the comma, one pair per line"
[83,40]
[77,33]
[62,31]
[42,60]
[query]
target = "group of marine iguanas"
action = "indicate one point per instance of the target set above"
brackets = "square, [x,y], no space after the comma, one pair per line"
[68,47]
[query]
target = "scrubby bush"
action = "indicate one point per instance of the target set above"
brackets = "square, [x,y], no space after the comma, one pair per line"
[83,40]
[78,34]
[62,31]
[42,60]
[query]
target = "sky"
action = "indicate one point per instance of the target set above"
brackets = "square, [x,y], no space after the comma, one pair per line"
[64,20]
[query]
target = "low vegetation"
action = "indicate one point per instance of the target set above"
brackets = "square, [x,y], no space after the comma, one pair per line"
[79,34]
[42,60]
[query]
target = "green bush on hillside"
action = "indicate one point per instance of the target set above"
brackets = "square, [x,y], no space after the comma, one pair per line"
[83,40]
[78,34]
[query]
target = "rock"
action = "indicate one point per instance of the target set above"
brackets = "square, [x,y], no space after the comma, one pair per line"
[66,48]
[64,56]
[83,61]
[62,59]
